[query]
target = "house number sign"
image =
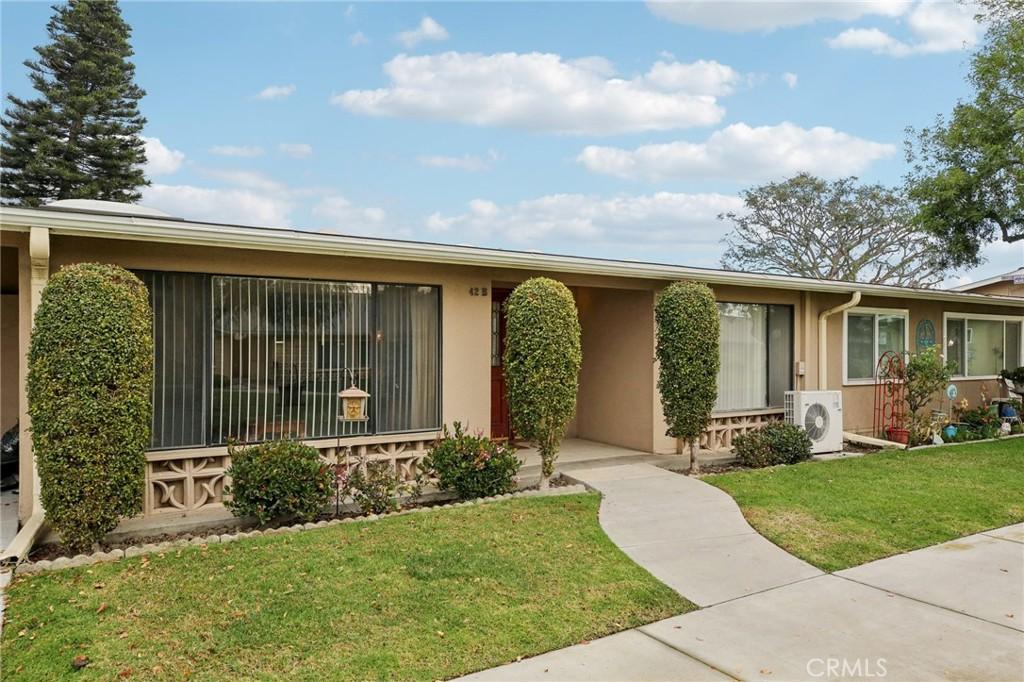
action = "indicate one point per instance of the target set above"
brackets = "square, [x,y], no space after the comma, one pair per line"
[478,291]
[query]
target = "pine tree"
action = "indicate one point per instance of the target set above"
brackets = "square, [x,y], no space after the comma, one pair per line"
[80,138]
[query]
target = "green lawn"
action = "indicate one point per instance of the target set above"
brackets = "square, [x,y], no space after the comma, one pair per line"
[422,596]
[846,512]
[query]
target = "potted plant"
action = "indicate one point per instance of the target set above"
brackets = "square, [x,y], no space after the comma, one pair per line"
[1015,377]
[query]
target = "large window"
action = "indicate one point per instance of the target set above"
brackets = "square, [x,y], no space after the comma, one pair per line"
[254,359]
[868,334]
[983,345]
[756,347]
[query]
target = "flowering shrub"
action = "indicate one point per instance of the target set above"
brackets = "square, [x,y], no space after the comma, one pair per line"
[278,480]
[472,465]
[375,486]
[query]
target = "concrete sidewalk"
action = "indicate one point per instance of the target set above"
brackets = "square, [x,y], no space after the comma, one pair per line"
[949,612]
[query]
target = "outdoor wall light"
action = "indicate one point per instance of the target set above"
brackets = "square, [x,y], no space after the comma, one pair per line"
[353,403]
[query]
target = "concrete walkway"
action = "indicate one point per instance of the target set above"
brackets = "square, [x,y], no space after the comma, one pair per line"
[949,612]
[688,534]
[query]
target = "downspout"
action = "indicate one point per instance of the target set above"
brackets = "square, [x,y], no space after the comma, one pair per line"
[21,545]
[823,338]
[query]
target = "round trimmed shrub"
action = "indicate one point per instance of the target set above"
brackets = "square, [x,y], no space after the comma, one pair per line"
[278,480]
[774,443]
[472,465]
[90,378]
[687,352]
[542,364]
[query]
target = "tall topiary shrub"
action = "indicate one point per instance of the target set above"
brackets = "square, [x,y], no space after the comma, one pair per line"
[687,352]
[542,364]
[90,379]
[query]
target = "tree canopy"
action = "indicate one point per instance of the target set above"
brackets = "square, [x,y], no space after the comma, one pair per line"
[838,230]
[79,139]
[967,171]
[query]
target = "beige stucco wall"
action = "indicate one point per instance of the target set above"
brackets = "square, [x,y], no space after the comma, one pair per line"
[465,318]
[617,375]
[858,400]
[616,316]
[9,352]
[19,241]
[1003,288]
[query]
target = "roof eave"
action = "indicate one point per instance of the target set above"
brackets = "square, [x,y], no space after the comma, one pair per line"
[176,231]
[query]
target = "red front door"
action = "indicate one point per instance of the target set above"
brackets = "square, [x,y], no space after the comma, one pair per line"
[501,422]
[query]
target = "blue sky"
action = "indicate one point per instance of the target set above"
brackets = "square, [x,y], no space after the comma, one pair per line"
[605,129]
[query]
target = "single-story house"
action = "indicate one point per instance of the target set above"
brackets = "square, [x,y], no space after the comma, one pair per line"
[1007,284]
[258,329]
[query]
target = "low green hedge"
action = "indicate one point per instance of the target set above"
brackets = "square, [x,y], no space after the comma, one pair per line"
[774,443]
[278,480]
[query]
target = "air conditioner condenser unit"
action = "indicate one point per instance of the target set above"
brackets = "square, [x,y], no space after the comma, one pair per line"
[820,414]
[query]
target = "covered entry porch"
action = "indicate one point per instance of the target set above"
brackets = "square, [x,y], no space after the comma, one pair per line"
[577,454]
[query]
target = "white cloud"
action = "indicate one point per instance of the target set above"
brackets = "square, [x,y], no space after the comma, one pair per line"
[232,205]
[466,162]
[160,159]
[252,198]
[935,26]
[545,93]
[742,152]
[428,29]
[635,223]
[768,15]
[699,78]
[238,151]
[790,79]
[998,258]
[358,38]
[276,92]
[338,214]
[296,151]
[246,179]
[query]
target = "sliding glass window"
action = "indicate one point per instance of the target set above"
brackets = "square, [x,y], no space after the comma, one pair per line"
[253,359]
[756,349]
[983,346]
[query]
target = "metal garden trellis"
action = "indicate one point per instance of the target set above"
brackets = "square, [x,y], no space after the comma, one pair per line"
[890,405]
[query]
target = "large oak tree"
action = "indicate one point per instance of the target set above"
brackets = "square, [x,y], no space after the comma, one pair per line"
[838,230]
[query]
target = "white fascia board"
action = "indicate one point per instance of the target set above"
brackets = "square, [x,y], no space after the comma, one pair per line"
[175,231]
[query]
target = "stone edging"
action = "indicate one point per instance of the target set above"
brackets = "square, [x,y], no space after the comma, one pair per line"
[1008,436]
[154,548]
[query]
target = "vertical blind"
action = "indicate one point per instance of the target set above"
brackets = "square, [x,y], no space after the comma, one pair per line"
[180,318]
[756,346]
[282,350]
[408,380]
[253,359]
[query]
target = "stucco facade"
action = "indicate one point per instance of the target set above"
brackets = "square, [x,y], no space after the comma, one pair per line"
[618,402]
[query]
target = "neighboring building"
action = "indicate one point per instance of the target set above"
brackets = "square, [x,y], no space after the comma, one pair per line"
[1009,284]
[258,329]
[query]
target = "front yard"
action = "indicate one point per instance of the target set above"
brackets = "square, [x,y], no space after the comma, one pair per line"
[843,513]
[421,596]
